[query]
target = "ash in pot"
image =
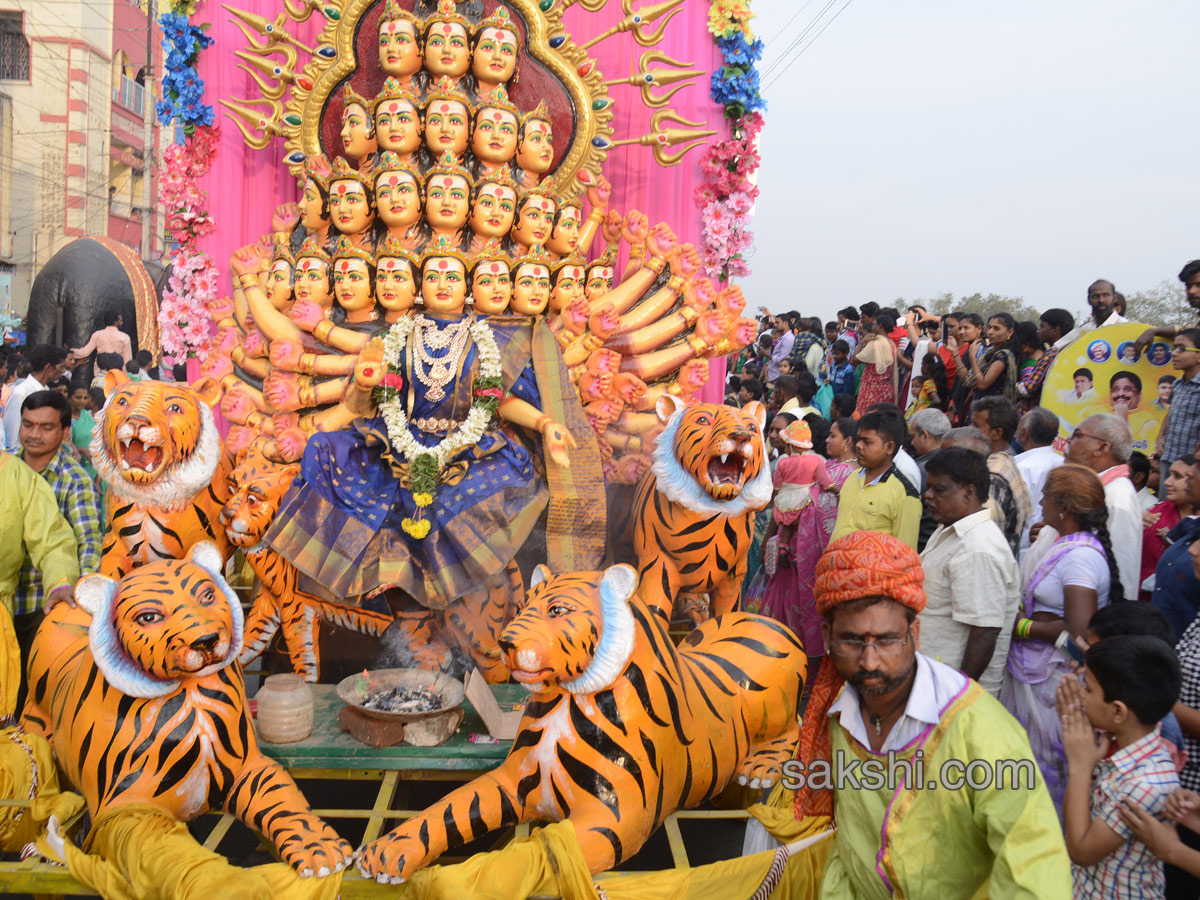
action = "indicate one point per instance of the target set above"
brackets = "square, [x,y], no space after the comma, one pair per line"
[404,700]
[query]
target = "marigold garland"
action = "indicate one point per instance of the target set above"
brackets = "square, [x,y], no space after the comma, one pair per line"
[726,196]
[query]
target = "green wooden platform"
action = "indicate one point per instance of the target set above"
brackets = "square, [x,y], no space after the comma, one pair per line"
[330,748]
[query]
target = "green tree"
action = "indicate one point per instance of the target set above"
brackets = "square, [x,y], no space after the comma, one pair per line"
[983,304]
[1165,306]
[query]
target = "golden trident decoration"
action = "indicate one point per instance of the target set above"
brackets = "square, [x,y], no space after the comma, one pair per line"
[589,5]
[660,137]
[639,23]
[265,116]
[648,78]
[259,68]
[276,36]
[300,10]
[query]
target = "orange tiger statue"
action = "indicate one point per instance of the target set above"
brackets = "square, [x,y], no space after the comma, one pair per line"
[622,728]
[694,508]
[157,448]
[256,488]
[140,694]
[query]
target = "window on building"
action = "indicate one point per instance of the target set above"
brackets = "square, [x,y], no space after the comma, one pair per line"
[14,48]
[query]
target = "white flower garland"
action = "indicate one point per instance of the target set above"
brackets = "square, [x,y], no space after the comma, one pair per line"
[478,419]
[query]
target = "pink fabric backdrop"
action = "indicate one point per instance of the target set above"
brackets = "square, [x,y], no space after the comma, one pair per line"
[245,185]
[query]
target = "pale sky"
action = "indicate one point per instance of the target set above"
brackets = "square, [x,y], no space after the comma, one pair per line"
[1022,148]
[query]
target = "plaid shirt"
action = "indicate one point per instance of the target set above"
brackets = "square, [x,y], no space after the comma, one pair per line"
[79,505]
[1143,775]
[1030,387]
[1183,420]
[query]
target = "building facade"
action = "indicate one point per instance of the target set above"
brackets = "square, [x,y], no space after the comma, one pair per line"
[72,131]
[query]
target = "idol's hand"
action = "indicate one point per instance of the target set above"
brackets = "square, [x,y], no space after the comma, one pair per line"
[661,240]
[291,444]
[236,406]
[369,370]
[613,227]
[287,217]
[685,261]
[636,227]
[557,441]
[699,294]
[282,391]
[599,193]
[247,260]
[307,315]
[254,344]
[286,354]
[604,321]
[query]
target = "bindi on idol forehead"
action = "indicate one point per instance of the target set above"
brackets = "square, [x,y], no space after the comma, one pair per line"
[394,106]
[342,188]
[499,191]
[391,27]
[346,265]
[281,265]
[393,179]
[573,271]
[389,264]
[498,34]
[539,126]
[536,271]
[310,264]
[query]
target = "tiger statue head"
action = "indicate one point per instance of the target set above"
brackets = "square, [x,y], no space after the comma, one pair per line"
[163,623]
[256,488]
[154,442]
[711,458]
[575,631]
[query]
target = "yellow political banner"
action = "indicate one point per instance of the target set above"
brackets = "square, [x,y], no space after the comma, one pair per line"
[1103,372]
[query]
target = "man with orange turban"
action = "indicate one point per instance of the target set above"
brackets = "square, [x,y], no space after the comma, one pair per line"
[931,782]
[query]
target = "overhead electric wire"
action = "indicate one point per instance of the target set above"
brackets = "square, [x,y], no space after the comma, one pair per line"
[806,46]
[774,64]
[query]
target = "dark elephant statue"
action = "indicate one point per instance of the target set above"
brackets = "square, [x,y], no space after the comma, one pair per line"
[88,278]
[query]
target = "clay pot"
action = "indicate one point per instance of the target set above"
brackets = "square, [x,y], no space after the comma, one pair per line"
[285,709]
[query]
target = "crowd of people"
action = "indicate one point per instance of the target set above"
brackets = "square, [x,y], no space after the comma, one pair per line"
[930,430]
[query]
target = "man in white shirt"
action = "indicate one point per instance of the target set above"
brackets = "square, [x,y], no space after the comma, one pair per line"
[1036,433]
[1101,298]
[972,586]
[1102,443]
[784,339]
[46,363]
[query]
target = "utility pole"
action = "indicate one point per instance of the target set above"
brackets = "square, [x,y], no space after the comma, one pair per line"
[148,139]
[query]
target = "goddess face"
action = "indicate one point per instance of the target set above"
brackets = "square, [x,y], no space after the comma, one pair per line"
[534,220]
[395,287]
[398,126]
[568,288]
[495,56]
[352,213]
[314,215]
[279,283]
[352,284]
[446,201]
[446,128]
[491,287]
[358,138]
[447,50]
[312,282]
[531,289]
[493,211]
[599,281]
[495,137]
[444,284]
[399,52]
[564,237]
[398,199]
[535,149]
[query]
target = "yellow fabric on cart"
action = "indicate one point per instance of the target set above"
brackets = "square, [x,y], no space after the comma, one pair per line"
[550,863]
[10,662]
[141,852]
[24,758]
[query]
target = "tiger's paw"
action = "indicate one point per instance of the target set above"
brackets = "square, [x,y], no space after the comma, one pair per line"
[391,859]
[762,769]
[318,851]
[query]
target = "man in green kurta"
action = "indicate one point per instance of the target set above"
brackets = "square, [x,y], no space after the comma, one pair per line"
[935,792]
